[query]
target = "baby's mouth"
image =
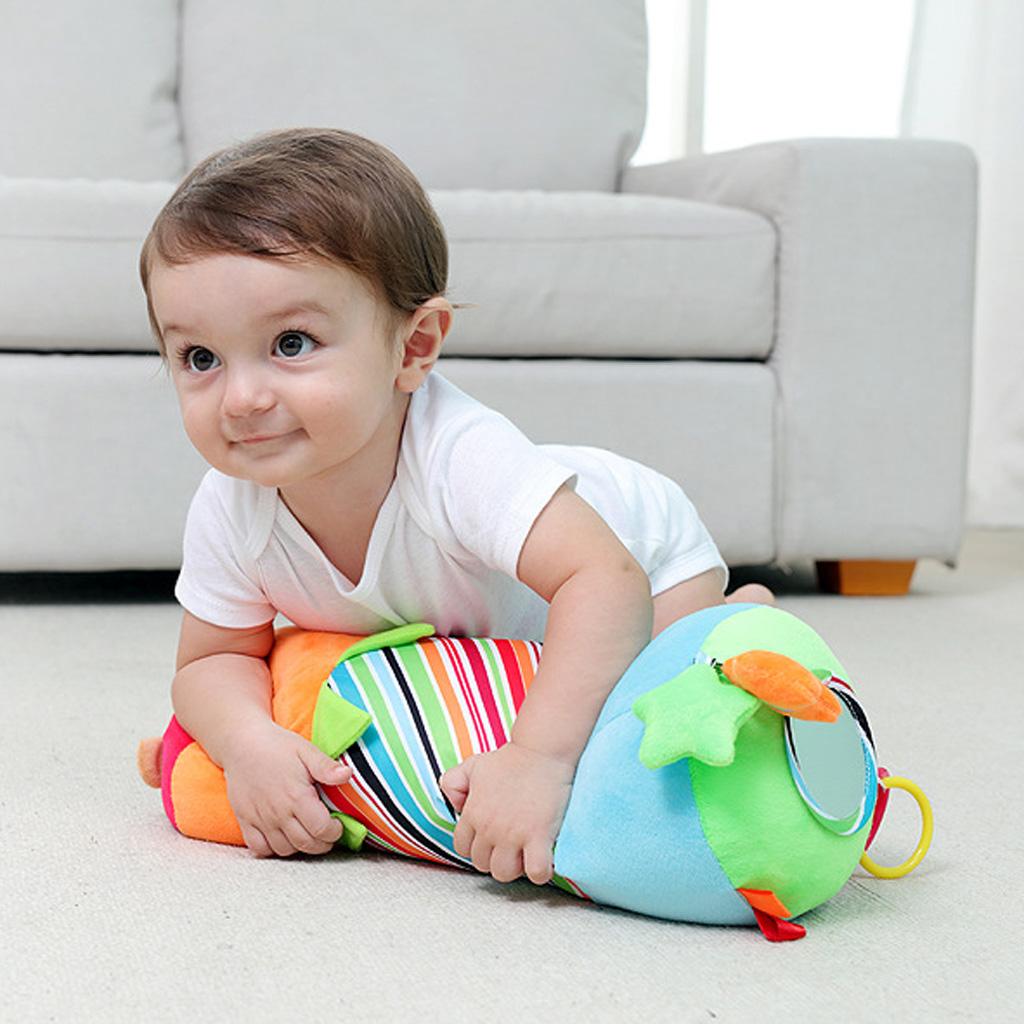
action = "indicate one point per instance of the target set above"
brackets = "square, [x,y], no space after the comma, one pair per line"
[254,440]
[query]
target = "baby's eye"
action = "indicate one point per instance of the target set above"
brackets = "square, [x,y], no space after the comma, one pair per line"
[200,359]
[294,343]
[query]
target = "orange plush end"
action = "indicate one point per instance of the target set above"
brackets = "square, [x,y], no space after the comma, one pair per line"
[299,664]
[147,757]
[199,793]
[783,684]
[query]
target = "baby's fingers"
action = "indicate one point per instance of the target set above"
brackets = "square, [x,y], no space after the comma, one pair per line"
[480,853]
[302,840]
[506,863]
[321,830]
[455,783]
[279,842]
[256,841]
[537,861]
[323,768]
[462,839]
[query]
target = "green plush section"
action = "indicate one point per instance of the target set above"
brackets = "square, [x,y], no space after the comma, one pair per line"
[354,833]
[770,629]
[694,714]
[760,829]
[337,724]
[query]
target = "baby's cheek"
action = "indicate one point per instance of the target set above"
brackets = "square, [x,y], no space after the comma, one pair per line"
[202,430]
[348,415]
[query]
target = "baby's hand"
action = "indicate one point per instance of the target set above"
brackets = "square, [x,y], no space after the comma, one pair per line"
[510,803]
[270,788]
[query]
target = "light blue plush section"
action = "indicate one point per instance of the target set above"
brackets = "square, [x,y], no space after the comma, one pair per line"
[632,838]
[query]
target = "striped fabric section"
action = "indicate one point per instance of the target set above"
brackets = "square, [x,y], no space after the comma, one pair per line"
[433,703]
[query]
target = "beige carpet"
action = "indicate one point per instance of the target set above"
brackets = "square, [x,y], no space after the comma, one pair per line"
[106,914]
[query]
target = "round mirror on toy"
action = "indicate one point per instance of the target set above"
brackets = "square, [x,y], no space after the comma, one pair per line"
[833,764]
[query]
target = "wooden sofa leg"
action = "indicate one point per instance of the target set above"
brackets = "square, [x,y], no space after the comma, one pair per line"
[873,579]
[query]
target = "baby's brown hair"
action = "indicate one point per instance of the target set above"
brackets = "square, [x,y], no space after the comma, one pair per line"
[318,192]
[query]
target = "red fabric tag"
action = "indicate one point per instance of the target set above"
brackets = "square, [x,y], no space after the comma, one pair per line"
[774,929]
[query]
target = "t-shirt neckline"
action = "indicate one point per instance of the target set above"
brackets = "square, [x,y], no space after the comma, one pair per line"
[382,527]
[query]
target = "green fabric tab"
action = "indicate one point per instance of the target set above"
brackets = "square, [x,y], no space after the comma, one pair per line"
[354,831]
[337,724]
[694,714]
[406,634]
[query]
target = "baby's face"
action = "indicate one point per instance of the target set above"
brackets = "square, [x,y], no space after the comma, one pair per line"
[283,368]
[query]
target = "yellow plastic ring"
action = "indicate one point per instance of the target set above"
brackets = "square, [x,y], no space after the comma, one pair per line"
[927,827]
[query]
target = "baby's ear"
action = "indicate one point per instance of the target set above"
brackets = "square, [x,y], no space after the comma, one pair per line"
[423,335]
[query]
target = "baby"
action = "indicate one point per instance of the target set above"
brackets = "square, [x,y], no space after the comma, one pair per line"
[296,288]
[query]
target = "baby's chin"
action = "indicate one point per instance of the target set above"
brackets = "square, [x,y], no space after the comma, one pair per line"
[264,476]
[274,469]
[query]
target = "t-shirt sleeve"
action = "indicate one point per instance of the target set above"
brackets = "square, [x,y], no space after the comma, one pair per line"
[215,583]
[493,483]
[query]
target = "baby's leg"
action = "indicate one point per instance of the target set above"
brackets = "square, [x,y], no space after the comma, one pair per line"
[703,591]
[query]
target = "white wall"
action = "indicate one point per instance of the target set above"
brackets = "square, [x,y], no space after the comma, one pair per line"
[967,83]
[799,68]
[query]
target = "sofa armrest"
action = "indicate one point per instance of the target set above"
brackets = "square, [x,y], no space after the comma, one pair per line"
[872,350]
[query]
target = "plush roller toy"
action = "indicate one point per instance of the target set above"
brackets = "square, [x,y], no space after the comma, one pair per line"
[729,779]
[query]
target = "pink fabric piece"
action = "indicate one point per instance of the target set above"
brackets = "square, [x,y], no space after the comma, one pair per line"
[174,742]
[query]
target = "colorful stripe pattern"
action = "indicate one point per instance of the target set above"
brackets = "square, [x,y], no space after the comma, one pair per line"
[433,703]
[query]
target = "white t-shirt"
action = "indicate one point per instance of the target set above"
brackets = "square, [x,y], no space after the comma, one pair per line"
[447,539]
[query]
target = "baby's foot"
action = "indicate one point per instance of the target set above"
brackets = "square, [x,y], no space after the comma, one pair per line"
[751,593]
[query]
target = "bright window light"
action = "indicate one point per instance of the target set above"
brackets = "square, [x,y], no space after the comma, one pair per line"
[784,69]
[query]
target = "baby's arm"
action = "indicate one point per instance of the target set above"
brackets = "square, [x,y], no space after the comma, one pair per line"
[600,618]
[513,799]
[221,697]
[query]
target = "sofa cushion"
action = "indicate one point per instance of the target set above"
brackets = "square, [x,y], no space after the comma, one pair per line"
[548,274]
[88,90]
[607,275]
[98,472]
[531,94]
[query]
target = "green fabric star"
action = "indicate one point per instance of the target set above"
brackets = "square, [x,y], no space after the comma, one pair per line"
[694,714]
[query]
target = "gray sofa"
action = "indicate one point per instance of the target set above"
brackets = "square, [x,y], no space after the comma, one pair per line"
[784,329]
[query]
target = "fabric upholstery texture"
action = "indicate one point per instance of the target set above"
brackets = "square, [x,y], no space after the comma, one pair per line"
[594,274]
[119,119]
[425,83]
[69,250]
[100,473]
[607,275]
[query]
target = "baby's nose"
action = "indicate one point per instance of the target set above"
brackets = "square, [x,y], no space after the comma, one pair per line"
[246,393]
